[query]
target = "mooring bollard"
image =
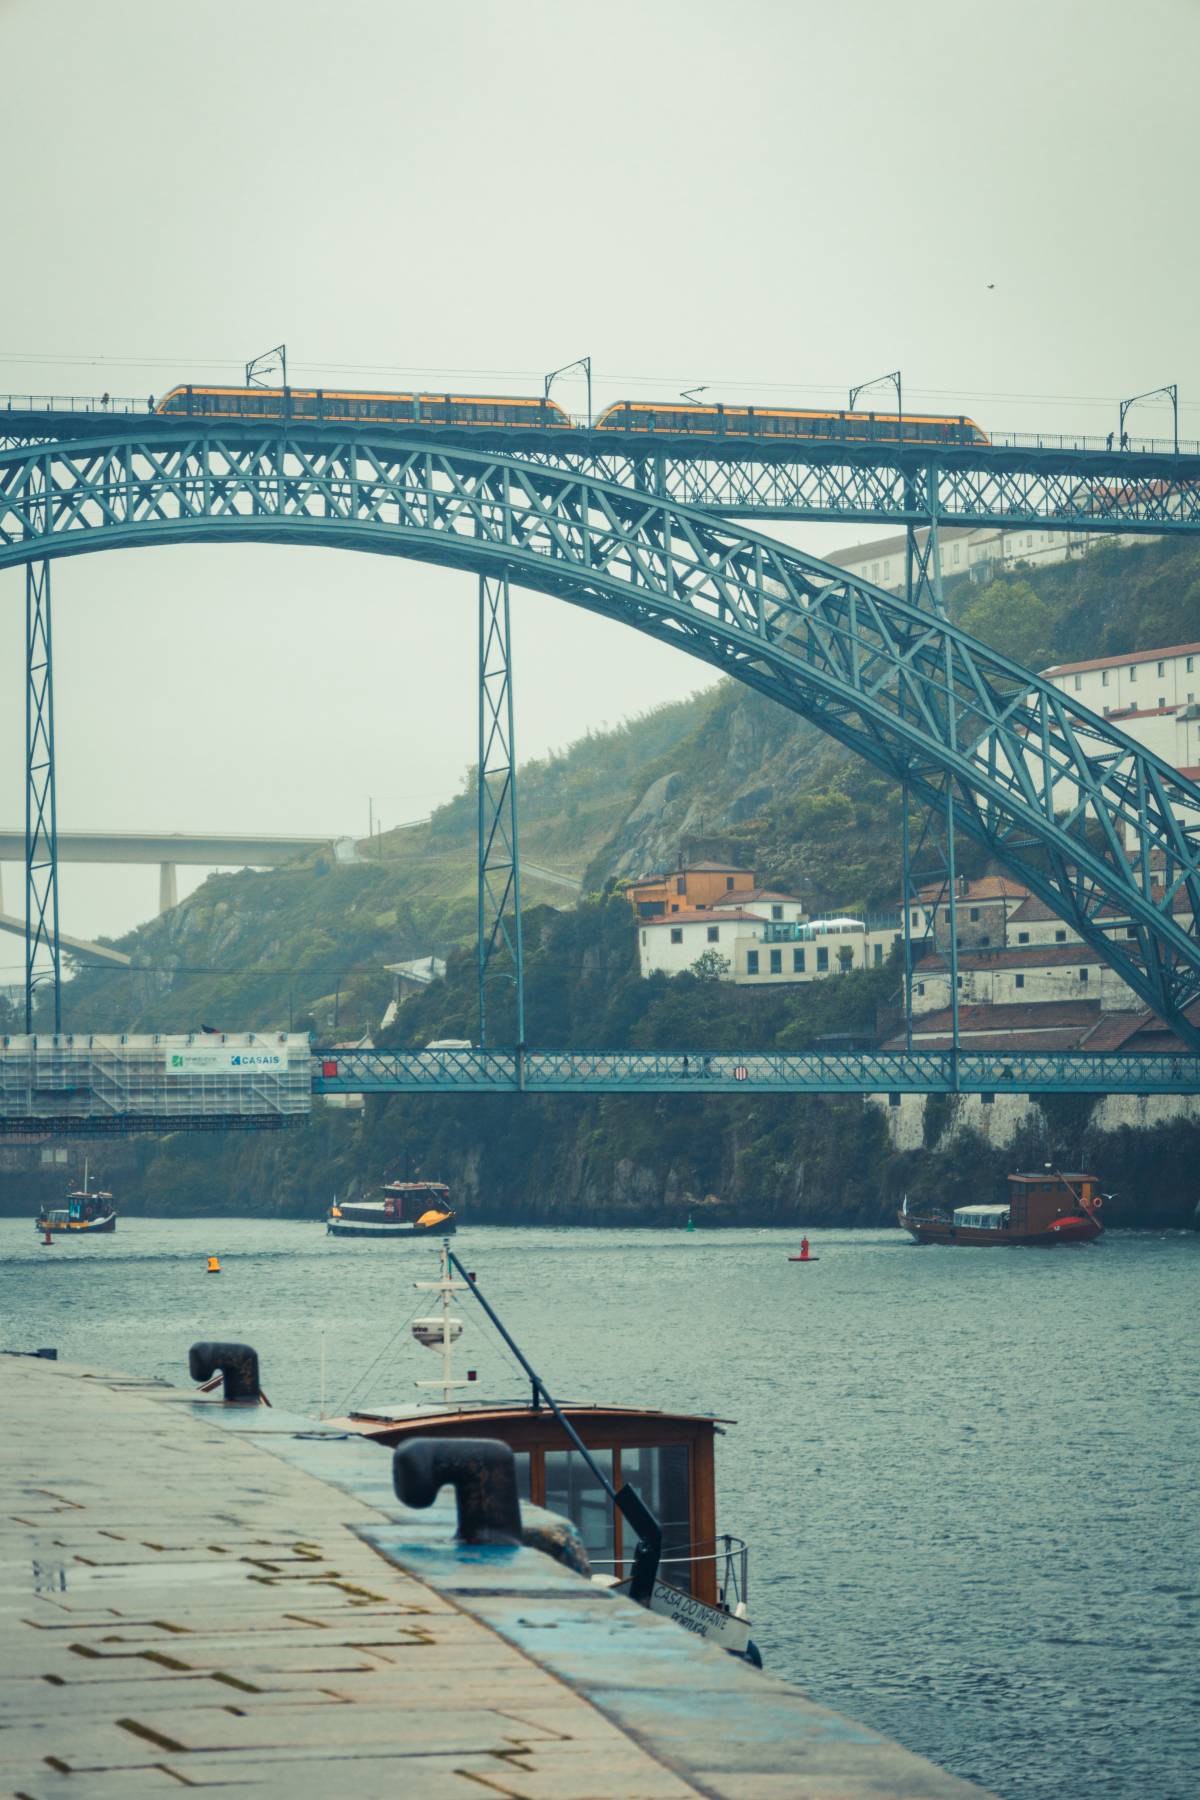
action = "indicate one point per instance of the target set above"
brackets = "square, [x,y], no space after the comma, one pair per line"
[238,1363]
[484,1478]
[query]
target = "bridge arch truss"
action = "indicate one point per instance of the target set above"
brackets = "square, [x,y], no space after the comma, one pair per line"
[1103,831]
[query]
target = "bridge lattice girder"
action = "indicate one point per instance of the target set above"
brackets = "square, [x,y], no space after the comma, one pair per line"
[1057,794]
[1045,485]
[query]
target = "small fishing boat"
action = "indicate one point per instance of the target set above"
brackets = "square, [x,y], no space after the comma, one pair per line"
[88,1210]
[1042,1209]
[407,1209]
[583,1461]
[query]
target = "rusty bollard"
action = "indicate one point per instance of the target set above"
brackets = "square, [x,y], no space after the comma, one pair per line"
[238,1364]
[482,1474]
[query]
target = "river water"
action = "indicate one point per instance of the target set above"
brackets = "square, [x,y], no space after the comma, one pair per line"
[968,1477]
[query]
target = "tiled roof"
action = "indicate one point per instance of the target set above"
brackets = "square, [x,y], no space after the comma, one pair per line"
[987,887]
[1131,656]
[1017,1015]
[999,1041]
[1024,956]
[737,895]
[702,915]
[716,868]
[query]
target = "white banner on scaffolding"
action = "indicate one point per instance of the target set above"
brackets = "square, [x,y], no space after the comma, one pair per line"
[222,1059]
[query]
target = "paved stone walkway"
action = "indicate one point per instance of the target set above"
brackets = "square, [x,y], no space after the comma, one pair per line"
[180,1610]
[208,1597]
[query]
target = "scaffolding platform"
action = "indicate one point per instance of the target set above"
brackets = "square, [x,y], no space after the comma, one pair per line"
[83,1085]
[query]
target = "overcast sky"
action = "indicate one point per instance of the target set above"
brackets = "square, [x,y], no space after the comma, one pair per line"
[777,198]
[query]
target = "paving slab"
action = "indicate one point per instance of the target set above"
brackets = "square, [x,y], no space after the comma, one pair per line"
[232,1600]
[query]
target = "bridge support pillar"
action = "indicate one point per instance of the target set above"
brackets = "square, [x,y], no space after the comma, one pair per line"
[168,887]
[923,561]
[41,806]
[499,886]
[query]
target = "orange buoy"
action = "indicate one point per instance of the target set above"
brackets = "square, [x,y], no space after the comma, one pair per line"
[214,1267]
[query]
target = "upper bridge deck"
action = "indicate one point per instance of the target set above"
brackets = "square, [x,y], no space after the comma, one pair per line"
[1042,480]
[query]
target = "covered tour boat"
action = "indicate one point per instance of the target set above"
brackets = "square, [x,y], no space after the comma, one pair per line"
[1042,1209]
[666,1457]
[407,1209]
[88,1209]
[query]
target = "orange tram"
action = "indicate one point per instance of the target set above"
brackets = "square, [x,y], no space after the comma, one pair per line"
[634,417]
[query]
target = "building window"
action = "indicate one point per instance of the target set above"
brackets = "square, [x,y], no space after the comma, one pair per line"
[1191,699]
[987,1099]
[1131,931]
[1190,661]
[713,934]
[752,962]
[974,914]
[1133,671]
[681,884]
[878,951]
[728,882]
[1162,668]
[1020,981]
[1161,702]
[776,962]
[643,937]
[777,912]
[677,934]
[1060,937]
[956,554]
[921,988]
[1104,678]
[797,962]
[893,1099]
[1078,683]
[674,906]
[984,941]
[946,916]
[1022,937]
[958,982]
[822,960]
[1083,974]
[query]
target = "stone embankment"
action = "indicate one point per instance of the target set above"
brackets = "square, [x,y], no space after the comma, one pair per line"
[198,1595]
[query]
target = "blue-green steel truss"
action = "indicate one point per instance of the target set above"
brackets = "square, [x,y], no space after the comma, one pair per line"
[1103,831]
[43,957]
[703,1073]
[1041,482]
[499,932]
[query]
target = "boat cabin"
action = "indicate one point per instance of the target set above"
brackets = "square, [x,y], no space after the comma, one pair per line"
[409,1200]
[1035,1201]
[667,1457]
[982,1218]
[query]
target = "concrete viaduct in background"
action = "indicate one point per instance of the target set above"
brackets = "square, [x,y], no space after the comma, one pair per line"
[208,850]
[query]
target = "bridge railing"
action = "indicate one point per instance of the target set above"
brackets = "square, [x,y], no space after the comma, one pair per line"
[792,1072]
[119,405]
[116,404]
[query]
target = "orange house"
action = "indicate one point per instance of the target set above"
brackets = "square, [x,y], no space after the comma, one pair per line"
[697,886]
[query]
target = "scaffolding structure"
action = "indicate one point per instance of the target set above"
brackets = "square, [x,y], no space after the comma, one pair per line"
[91,1084]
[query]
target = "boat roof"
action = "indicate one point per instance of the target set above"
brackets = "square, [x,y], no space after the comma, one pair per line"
[432,1412]
[978,1211]
[1052,1175]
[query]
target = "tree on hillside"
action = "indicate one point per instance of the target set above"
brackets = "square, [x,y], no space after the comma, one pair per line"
[1012,618]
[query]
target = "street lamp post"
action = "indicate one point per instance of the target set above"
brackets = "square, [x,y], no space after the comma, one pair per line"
[1172,393]
[580,362]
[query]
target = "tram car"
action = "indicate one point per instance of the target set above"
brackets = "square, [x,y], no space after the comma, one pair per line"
[509,412]
[788,422]
[325,406]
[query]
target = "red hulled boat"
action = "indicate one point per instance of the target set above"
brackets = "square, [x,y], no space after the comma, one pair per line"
[1042,1209]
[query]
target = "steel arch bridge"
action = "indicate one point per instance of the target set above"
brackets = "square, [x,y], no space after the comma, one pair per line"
[1105,832]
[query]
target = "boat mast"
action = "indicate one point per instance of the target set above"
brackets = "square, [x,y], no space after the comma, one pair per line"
[446,1287]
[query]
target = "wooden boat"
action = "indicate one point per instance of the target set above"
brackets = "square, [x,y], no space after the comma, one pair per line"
[666,1457]
[408,1209]
[1042,1209]
[88,1210]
